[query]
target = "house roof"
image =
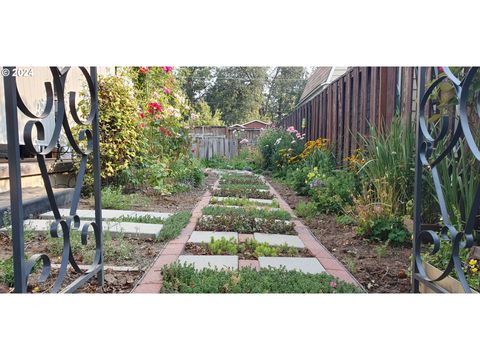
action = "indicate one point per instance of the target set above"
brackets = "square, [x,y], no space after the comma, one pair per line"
[252,121]
[319,79]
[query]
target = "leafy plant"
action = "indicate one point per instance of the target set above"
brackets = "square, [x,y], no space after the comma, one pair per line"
[388,165]
[182,278]
[6,272]
[345,219]
[120,137]
[382,226]
[306,210]
[146,219]
[332,193]
[222,246]
[265,250]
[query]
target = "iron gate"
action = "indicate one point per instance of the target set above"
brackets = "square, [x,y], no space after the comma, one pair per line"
[452,139]
[61,227]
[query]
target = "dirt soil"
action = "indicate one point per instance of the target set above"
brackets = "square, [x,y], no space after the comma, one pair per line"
[167,203]
[377,271]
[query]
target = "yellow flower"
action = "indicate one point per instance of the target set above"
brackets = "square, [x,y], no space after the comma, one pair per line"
[472,262]
[474,270]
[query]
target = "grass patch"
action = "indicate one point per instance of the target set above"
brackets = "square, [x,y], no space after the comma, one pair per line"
[173,225]
[145,219]
[182,278]
[114,198]
[306,210]
[114,249]
[247,212]
[6,272]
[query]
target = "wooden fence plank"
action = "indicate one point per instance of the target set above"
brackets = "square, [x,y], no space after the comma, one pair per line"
[347,116]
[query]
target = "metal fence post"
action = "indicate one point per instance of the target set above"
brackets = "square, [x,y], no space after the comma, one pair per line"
[10,87]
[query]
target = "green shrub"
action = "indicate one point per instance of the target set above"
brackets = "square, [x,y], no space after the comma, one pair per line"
[306,210]
[182,278]
[265,250]
[297,179]
[332,193]
[384,228]
[121,138]
[173,225]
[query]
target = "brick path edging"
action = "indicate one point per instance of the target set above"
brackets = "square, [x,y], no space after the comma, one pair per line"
[152,281]
[328,261]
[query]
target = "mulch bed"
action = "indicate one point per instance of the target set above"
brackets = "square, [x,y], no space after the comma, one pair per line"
[197,249]
[385,274]
[167,203]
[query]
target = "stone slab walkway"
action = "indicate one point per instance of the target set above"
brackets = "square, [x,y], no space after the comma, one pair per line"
[199,237]
[139,230]
[218,262]
[280,239]
[303,264]
[108,214]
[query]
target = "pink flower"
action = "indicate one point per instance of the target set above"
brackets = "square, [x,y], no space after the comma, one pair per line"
[333,284]
[143,70]
[154,107]
[167,69]
[298,135]
[291,129]
[440,69]
[141,125]
[142,115]
[167,90]
[155,95]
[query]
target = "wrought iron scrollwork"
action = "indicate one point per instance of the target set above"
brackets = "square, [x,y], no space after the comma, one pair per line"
[61,227]
[432,149]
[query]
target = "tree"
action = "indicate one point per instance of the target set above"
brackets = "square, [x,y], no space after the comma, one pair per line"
[195,81]
[238,92]
[284,89]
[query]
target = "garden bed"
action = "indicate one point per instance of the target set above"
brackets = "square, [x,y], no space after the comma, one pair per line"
[243,193]
[244,224]
[248,250]
[179,278]
[378,268]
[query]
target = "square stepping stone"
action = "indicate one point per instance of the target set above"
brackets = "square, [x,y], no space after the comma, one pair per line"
[139,230]
[107,214]
[199,237]
[279,239]
[210,261]
[305,265]
[262,201]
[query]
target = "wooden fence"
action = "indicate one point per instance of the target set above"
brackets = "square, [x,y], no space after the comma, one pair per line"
[363,96]
[220,141]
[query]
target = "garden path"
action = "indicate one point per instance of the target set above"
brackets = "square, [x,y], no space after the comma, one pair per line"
[303,251]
